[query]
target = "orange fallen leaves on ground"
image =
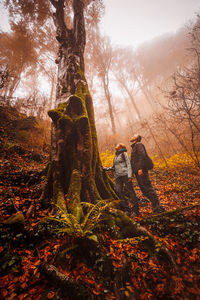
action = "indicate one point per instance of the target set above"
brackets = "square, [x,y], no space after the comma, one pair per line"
[12,296]
[90,280]
[50,295]
[178,260]
[23,296]
[195,291]
[151,270]
[127,293]
[135,283]
[4,281]
[4,293]
[95,292]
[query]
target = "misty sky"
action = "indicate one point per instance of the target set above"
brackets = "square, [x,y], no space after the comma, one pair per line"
[132,22]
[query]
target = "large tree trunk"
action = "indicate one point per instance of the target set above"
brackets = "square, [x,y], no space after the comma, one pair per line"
[75,170]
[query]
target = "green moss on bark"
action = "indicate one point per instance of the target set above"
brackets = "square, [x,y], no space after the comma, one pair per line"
[75,151]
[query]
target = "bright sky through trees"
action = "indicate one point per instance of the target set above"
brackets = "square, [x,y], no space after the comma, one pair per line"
[132,22]
[4,25]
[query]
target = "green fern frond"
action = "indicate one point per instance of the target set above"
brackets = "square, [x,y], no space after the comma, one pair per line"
[71,232]
[68,217]
[134,240]
[78,212]
[69,222]
[87,204]
[94,215]
[72,222]
[93,211]
[61,220]
[62,209]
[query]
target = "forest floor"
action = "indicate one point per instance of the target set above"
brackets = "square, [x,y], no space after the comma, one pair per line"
[178,229]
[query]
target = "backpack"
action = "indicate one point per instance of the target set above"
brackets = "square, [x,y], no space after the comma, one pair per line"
[148,163]
[123,156]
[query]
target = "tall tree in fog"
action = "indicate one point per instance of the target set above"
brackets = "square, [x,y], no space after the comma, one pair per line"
[124,72]
[102,56]
[122,69]
[184,95]
[75,167]
[28,49]
[156,60]
[17,55]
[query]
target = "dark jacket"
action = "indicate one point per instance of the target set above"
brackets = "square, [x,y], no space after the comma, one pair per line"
[138,157]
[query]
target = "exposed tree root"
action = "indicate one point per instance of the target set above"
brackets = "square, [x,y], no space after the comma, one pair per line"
[71,288]
[120,279]
[172,212]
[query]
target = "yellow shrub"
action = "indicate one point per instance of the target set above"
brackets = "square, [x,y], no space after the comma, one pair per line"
[178,160]
[107,158]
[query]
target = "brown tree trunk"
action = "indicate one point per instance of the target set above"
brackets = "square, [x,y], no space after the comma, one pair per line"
[75,170]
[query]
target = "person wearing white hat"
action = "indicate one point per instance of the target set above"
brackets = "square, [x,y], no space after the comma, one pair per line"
[123,177]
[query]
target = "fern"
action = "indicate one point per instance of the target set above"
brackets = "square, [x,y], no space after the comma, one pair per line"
[72,224]
[93,216]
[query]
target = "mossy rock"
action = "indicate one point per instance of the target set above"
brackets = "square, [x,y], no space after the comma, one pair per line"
[17,218]
[16,222]
[119,224]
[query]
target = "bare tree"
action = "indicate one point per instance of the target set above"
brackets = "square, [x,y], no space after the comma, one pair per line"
[184,95]
[17,54]
[124,75]
[101,60]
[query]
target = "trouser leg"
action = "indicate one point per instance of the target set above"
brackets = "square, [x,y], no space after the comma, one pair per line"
[132,194]
[148,190]
[119,189]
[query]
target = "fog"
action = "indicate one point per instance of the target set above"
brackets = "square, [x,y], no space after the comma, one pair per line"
[134,89]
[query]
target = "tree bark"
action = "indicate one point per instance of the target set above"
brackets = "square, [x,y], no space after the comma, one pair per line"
[75,167]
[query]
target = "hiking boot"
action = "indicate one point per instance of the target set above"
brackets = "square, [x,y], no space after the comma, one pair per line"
[159,210]
[142,202]
[133,215]
[126,212]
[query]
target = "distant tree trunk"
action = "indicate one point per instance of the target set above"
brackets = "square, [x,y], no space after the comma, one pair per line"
[145,91]
[108,97]
[142,122]
[75,169]
[155,140]
[132,101]
[170,144]
[101,60]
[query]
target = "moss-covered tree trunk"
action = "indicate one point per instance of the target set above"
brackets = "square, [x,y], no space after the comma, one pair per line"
[74,138]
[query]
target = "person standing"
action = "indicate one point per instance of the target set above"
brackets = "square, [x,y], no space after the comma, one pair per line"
[140,166]
[123,177]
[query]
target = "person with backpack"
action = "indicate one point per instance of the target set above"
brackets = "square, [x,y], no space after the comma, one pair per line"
[123,177]
[141,163]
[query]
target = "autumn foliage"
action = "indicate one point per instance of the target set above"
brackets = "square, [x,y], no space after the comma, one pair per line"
[84,247]
[134,273]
